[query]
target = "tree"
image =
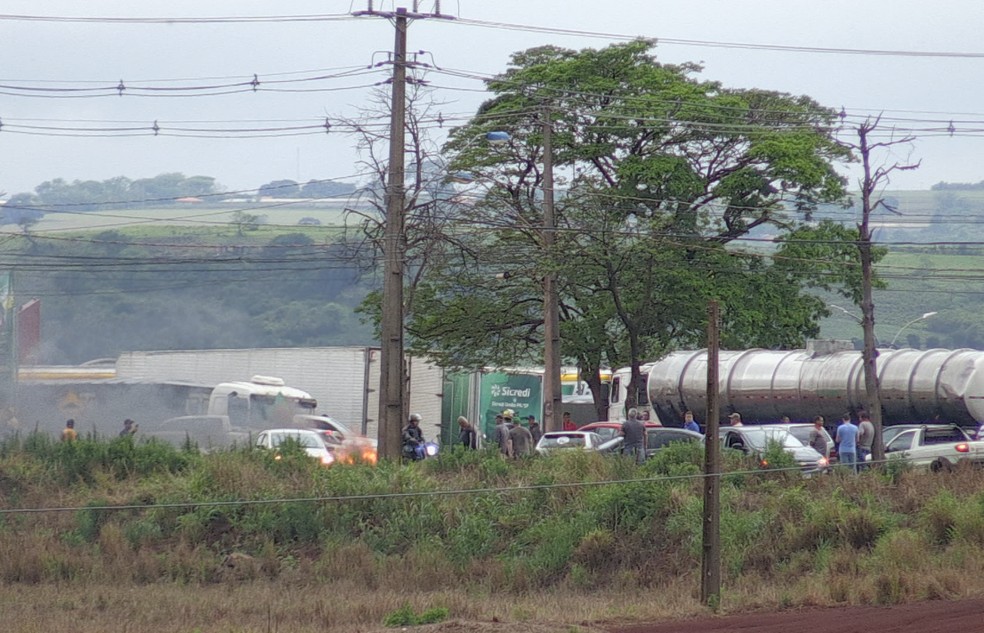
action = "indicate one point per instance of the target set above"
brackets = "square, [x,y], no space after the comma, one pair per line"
[280,189]
[326,189]
[666,179]
[874,178]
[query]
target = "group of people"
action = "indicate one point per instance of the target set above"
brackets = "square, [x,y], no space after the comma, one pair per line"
[853,441]
[514,439]
[69,434]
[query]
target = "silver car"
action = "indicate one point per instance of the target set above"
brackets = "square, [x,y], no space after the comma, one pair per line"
[754,440]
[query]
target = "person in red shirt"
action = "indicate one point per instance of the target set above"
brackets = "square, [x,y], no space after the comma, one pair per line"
[568,422]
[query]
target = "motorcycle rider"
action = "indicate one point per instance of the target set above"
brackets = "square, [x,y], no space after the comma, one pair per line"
[412,437]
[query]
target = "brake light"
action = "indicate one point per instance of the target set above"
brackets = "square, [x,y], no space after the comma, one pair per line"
[962,448]
[764,463]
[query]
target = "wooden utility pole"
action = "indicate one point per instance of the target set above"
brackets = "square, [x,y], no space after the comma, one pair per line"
[552,398]
[710,582]
[391,411]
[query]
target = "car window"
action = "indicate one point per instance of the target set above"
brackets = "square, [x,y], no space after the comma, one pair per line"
[658,438]
[901,442]
[261,439]
[562,441]
[606,432]
[944,436]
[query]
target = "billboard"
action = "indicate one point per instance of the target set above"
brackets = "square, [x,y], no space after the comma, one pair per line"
[523,393]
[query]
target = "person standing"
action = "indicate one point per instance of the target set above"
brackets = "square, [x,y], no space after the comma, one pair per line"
[818,439]
[689,423]
[866,438]
[521,440]
[69,434]
[847,443]
[568,422]
[467,434]
[129,428]
[502,435]
[535,429]
[735,419]
[634,434]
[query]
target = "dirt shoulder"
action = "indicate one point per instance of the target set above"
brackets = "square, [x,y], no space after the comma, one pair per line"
[923,617]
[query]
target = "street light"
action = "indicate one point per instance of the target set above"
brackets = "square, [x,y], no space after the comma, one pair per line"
[902,329]
[845,311]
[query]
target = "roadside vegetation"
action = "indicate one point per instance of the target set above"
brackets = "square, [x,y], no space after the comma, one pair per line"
[241,541]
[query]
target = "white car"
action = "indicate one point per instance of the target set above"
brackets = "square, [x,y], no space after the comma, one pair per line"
[938,447]
[310,441]
[566,440]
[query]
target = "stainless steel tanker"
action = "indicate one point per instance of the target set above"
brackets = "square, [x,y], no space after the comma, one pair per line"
[764,385]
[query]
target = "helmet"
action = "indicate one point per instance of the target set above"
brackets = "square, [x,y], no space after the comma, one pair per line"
[508,413]
[415,417]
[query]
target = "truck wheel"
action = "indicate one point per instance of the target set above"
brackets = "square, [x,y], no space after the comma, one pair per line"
[941,466]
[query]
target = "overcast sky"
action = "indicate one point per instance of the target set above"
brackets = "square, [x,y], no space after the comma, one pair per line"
[921,91]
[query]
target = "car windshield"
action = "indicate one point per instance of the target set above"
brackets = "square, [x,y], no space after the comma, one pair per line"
[562,441]
[760,438]
[802,433]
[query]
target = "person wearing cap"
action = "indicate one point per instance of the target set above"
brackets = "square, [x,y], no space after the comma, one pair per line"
[735,419]
[535,429]
[129,428]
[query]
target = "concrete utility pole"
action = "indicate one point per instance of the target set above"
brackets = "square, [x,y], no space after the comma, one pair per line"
[710,580]
[392,375]
[391,411]
[552,398]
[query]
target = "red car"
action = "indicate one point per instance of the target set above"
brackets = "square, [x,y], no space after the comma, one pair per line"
[611,430]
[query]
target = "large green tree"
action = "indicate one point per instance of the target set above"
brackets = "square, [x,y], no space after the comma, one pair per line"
[675,191]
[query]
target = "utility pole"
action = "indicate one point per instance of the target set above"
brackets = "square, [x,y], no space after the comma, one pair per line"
[710,580]
[392,376]
[552,397]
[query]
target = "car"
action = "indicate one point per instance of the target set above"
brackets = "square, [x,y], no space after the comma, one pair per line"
[610,430]
[552,441]
[310,440]
[938,447]
[755,440]
[657,438]
[889,433]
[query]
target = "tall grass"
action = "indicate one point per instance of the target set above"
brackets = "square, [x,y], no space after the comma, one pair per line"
[472,523]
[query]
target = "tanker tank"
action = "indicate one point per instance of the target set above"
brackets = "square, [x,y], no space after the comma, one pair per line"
[764,385]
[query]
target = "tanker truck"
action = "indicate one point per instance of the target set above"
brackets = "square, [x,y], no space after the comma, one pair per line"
[764,385]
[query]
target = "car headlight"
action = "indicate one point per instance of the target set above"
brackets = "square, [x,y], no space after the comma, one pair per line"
[823,462]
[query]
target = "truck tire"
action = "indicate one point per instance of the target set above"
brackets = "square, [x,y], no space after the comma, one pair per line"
[941,465]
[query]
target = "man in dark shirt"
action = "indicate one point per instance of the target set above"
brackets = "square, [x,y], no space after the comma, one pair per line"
[634,432]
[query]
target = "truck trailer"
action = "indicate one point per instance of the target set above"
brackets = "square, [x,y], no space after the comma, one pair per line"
[765,385]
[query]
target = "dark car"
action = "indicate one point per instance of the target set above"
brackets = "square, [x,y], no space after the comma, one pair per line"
[657,438]
[611,430]
[755,439]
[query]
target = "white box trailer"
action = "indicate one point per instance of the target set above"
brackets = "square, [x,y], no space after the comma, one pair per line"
[344,380]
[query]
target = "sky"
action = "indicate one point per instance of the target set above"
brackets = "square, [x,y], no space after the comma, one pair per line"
[51,125]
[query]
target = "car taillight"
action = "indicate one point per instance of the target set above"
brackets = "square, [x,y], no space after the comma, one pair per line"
[962,448]
[764,463]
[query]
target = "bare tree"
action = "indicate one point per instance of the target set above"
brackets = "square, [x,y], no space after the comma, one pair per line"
[875,176]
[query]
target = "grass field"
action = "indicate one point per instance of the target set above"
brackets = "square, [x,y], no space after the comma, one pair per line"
[551,545]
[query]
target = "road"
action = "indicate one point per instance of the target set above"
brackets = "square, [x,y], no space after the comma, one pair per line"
[924,617]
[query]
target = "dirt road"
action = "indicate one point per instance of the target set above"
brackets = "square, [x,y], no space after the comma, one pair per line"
[924,617]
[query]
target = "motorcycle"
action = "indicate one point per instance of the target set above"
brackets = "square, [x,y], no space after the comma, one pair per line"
[421,451]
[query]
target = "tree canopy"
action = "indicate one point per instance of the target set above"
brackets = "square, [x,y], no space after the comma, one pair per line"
[675,191]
